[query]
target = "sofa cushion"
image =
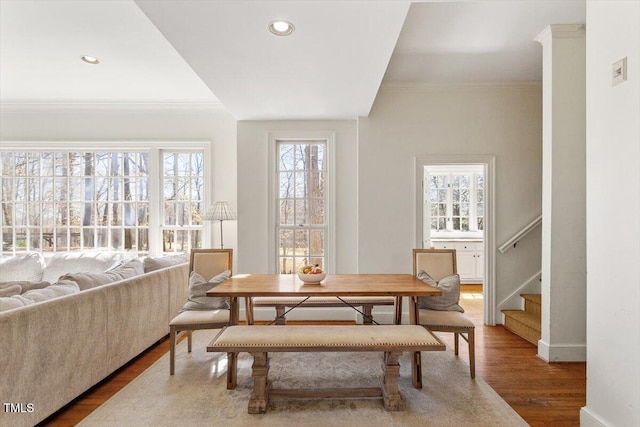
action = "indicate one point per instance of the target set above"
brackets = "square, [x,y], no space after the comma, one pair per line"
[28,267]
[450,288]
[9,291]
[157,263]
[16,301]
[127,270]
[198,287]
[58,289]
[62,263]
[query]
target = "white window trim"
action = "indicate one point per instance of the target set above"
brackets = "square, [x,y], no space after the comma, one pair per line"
[153,147]
[329,137]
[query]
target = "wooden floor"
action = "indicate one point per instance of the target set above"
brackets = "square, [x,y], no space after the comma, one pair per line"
[543,394]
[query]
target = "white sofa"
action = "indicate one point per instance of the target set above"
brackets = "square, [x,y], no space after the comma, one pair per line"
[54,350]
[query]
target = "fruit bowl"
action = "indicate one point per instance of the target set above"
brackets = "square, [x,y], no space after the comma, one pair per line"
[312,279]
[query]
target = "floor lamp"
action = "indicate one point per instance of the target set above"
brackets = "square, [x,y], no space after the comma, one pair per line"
[220,211]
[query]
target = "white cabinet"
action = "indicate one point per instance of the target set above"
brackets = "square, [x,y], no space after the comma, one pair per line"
[469,256]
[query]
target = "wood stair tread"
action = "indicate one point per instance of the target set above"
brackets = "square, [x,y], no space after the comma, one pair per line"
[537,298]
[528,319]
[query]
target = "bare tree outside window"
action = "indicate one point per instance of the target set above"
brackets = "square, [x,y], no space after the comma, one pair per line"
[72,201]
[454,202]
[301,204]
[183,187]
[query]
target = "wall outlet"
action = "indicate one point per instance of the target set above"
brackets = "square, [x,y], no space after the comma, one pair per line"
[619,71]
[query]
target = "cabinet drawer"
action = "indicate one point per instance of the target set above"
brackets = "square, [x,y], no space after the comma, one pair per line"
[469,246]
[459,246]
[443,245]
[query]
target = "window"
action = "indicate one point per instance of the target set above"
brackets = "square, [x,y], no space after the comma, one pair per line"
[99,200]
[454,201]
[183,201]
[302,204]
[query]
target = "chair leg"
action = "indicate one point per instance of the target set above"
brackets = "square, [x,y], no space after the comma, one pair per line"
[172,350]
[456,344]
[472,352]
[190,339]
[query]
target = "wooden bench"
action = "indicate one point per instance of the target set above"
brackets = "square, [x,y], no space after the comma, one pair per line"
[282,303]
[260,340]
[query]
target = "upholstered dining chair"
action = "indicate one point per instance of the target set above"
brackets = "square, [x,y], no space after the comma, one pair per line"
[440,263]
[208,263]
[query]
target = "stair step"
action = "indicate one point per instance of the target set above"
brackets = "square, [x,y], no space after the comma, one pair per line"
[533,304]
[536,298]
[523,324]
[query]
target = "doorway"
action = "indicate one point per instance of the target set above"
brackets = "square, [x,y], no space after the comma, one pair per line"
[455,200]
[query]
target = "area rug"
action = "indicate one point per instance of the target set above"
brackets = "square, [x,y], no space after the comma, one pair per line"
[197,396]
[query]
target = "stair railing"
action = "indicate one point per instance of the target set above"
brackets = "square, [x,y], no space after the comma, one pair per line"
[512,242]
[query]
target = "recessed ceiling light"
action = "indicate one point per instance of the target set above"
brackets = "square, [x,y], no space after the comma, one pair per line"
[89,59]
[281,28]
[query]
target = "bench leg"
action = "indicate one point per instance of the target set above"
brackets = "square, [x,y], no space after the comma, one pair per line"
[367,318]
[259,399]
[280,319]
[232,370]
[390,393]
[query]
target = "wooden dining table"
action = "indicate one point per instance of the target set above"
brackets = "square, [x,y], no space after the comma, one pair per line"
[248,286]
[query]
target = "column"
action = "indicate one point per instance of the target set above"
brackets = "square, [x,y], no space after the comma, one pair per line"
[563,194]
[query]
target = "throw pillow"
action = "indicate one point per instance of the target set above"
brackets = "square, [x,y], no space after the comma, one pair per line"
[58,289]
[62,263]
[9,291]
[157,263]
[86,281]
[25,286]
[450,288]
[28,267]
[198,287]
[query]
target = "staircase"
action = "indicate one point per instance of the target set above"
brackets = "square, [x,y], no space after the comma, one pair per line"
[526,323]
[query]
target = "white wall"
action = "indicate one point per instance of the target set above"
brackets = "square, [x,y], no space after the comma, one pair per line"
[613,209]
[253,191]
[504,121]
[159,123]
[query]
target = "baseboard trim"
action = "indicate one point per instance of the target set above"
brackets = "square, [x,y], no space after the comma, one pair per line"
[588,419]
[562,352]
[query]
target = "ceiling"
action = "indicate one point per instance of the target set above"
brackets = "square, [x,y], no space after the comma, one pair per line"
[211,52]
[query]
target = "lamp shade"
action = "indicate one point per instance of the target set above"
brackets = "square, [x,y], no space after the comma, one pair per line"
[220,211]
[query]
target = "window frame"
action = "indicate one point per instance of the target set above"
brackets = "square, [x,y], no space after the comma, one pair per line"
[449,171]
[273,182]
[154,149]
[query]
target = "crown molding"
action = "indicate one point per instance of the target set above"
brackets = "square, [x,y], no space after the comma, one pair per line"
[14,104]
[107,144]
[561,31]
[434,87]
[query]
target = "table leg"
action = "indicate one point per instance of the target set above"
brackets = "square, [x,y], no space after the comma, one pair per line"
[398,311]
[416,360]
[232,358]
[248,307]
